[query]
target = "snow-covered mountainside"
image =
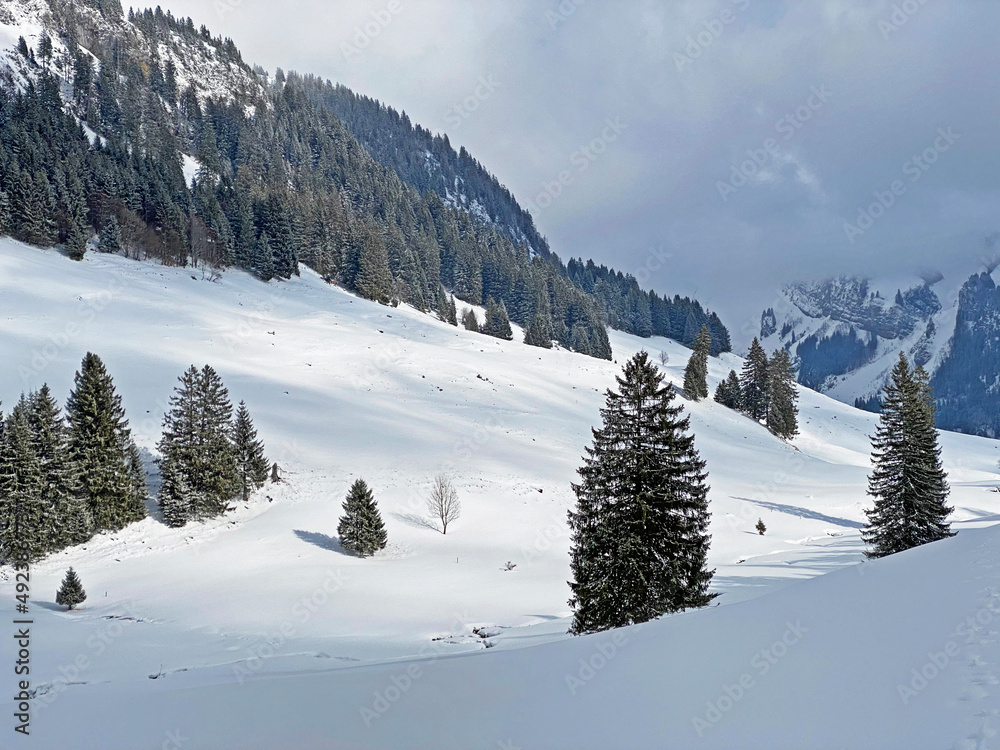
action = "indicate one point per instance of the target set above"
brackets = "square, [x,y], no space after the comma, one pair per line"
[845,333]
[254,630]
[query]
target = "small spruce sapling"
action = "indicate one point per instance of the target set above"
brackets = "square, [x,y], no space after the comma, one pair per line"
[71,591]
[761,528]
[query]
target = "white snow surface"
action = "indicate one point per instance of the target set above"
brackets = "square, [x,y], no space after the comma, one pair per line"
[254,630]
[190,166]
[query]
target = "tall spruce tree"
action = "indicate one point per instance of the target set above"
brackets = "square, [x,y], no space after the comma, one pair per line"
[580,340]
[177,497]
[23,533]
[696,372]
[111,237]
[68,519]
[539,333]
[782,402]
[264,258]
[908,482]
[4,213]
[102,449]
[640,530]
[754,382]
[76,243]
[199,466]
[251,464]
[374,280]
[497,321]
[361,530]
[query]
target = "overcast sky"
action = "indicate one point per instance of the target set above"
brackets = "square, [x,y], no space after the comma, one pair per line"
[650,110]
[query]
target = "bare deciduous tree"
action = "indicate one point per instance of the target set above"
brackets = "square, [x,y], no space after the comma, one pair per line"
[443,503]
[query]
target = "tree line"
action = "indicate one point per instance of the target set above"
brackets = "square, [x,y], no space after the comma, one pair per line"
[428,162]
[765,390]
[66,477]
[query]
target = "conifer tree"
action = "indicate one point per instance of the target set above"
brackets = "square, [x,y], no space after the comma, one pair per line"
[251,464]
[76,243]
[264,258]
[45,47]
[199,464]
[469,321]
[728,392]
[782,404]
[218,475]
[5,215]
[102,449]
[696,372]
[374,280]
[452,311]
[111,237]
[580,341]
[361,530]
[176,497]
[67,516]
[497,321]
[539,333]
[71,591]
[640,530]
[443,307]
[22,512]
[908,482]
[753,382]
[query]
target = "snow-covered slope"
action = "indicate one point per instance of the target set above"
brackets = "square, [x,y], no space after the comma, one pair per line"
[901,654]
[261,633]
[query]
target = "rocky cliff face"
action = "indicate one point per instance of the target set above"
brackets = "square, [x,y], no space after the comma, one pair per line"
[841,326]
[844,336]
[850,300]
[967,384]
